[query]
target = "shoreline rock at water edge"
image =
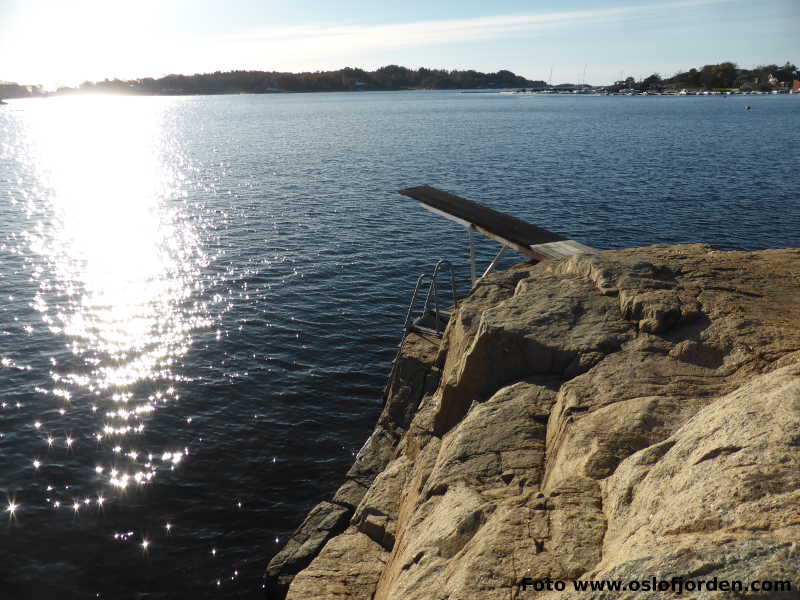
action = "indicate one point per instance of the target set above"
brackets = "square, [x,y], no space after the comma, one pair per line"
[621,415]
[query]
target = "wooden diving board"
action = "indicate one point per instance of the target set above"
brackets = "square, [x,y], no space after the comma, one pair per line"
[530,240]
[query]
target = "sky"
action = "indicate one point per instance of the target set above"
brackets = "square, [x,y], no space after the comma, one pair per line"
[65,42]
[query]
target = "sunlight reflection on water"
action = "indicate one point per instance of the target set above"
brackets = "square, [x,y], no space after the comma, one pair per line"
[120,264]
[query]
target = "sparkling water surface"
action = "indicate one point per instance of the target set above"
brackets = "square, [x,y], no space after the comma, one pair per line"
[200,296]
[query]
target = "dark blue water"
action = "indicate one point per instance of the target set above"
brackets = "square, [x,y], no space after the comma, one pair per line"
[200,296]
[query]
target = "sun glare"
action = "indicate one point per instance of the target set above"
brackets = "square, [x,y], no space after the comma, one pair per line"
[85,39]
[110,240]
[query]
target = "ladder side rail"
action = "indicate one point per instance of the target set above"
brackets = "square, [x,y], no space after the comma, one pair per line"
[410,313]
[435,290]
[406,326]
[431,295]
[448,265]
[452,283]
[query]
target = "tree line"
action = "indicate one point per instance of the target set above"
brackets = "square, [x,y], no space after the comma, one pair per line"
[14,90]
[390,77]
[725,75]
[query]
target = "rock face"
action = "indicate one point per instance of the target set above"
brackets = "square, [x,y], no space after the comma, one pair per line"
[624,415]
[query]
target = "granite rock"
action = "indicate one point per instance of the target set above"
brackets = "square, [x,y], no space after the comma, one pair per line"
[622,415]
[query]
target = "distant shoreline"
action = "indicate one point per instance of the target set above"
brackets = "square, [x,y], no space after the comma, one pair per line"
[670,93]
[722,77]
[502,92]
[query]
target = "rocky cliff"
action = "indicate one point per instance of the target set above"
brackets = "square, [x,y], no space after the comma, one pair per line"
[624,415]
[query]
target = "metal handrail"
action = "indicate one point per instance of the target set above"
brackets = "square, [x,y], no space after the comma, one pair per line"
[410,313]
[431,296]
[406,325]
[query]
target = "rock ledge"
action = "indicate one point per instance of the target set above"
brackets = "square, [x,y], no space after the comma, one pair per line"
[625,415]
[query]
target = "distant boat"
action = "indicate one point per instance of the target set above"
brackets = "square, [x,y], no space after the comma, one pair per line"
[3,102]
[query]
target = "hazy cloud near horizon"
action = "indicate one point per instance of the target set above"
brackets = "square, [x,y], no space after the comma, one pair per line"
[91,39]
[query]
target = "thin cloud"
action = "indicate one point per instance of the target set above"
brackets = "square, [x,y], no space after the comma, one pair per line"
[309,40]
[89,49]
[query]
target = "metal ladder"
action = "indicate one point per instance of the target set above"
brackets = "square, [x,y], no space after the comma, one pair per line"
[432,320]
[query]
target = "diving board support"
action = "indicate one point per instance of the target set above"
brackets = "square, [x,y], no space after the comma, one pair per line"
[472,272]
[493,264]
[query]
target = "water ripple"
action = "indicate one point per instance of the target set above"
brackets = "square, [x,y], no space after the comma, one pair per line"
[201,296]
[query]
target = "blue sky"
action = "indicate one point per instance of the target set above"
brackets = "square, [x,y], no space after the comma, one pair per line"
[65,42]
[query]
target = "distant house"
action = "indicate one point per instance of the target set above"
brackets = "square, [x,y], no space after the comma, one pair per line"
[796,85]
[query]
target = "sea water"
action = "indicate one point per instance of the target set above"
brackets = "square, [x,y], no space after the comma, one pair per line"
[200,296]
